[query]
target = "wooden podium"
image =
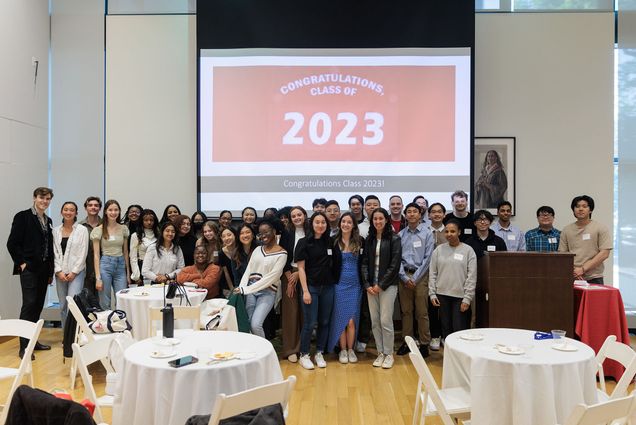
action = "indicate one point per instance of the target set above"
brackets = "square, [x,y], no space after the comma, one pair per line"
[525,290]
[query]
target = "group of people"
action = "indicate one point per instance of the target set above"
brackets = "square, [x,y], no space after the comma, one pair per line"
[336,272]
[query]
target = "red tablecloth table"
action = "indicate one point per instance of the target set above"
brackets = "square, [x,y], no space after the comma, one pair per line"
[599,312]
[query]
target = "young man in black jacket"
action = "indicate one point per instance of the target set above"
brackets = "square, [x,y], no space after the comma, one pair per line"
[31,247]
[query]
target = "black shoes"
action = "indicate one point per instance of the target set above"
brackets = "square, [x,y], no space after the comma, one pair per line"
[21,354]
[424,351]
[42,347]
[403,350]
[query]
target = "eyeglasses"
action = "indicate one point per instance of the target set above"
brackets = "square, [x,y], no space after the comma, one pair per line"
[483,220]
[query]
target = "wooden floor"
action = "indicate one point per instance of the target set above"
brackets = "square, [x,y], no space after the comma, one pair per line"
[352,394]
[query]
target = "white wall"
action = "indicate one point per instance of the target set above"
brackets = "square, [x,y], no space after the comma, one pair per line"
[24,33]
[77,102]
[151,111]
[547,79]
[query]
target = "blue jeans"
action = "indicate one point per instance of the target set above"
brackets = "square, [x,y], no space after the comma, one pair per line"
[113,274]
[381,308]
[68,288]
[258,306]
[318,312]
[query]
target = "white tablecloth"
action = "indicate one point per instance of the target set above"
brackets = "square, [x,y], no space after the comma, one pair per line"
[153,393]
[539,387]
[136,306]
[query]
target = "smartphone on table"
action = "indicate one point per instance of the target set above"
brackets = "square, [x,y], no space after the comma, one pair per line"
[183,361]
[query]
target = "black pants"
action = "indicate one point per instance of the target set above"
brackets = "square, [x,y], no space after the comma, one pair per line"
[450,315]
[433,320]
[34,285]
[364,326]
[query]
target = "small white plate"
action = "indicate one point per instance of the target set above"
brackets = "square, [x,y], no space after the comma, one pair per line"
[565,347]
[161,354]
[471,336]
[510,349]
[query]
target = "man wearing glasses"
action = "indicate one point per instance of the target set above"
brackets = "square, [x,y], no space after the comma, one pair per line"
[544,238]
[484,239]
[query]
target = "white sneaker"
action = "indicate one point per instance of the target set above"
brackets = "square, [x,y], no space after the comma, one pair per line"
[388,362]
[378,362]
[352,356]
[306,362]
[361,347]
[292,358]
[434,345]
[320,361]
[342,357]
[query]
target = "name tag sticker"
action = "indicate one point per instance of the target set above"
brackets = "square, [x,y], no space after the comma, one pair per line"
[417,244]
[511,237]
[215,254]
[111,238]
[468,231]
[458,257]
[586,236]
[329,251]
[491,248]
[361,251]
[552,240]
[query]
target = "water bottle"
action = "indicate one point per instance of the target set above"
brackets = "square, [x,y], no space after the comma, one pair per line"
[168,321]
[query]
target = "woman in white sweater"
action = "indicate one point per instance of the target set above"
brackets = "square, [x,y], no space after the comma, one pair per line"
[262,277]
[164,260]
[145,237]
[70,246]
[452,279]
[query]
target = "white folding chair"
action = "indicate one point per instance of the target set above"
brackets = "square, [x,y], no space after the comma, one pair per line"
[83,335]
[447,403]
[87,354]
[623,354]
[616,412]
[24,329]
[228,406]
[180,312]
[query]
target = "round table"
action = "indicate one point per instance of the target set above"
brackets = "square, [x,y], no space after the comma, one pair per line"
[152,392]
[137,301]
[540,386]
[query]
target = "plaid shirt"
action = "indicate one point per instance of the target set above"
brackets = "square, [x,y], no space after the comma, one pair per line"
[538,240]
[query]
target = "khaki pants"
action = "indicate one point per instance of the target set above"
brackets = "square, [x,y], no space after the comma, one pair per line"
[417,297]
[291,319]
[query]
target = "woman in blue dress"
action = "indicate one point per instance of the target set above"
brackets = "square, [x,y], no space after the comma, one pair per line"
[346,310]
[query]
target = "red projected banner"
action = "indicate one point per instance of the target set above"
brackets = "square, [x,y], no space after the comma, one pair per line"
[333,113]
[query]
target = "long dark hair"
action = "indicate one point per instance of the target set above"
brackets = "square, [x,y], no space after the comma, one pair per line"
[126,219]
[355,242]
[387,232]
[160,239]
[155,224]
[164,217]
[239,245]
